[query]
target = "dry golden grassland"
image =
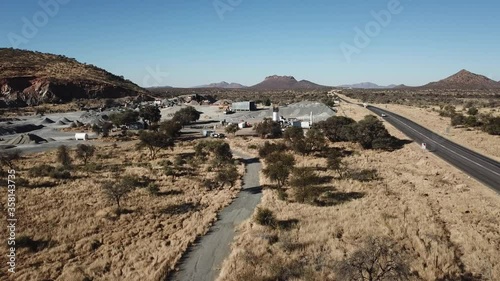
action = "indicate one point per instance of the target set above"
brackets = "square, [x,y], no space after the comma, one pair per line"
[442,222]
[78,234]
[474,139]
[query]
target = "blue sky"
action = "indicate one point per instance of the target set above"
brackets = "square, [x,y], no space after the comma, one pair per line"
[203,41]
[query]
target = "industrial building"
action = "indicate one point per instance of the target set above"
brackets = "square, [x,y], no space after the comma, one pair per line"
[244,106]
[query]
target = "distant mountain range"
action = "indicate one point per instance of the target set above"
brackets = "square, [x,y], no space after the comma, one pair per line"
[369,85]
[276,82]
[464,80]
[223,85]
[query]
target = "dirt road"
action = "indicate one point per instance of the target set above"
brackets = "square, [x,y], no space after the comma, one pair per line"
[203,260]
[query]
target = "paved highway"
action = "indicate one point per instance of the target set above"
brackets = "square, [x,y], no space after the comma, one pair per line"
[482,168]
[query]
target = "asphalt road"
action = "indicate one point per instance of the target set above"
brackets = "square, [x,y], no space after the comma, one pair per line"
[203,260]
[482,168]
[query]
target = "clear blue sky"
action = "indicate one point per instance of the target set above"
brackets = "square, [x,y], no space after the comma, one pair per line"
[428,40]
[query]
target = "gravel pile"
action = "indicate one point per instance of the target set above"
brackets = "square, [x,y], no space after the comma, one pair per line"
[26,139]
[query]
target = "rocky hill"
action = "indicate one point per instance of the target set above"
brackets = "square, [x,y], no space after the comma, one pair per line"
[285,83]
[465,80]
[32,78]
[223,85]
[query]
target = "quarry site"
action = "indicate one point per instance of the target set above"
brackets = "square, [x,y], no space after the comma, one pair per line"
[352,141]
[404,198]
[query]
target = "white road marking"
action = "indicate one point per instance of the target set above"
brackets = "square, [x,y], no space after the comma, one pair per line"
[433,141]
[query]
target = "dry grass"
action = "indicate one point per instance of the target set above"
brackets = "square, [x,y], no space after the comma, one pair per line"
[87,239]
[445,223]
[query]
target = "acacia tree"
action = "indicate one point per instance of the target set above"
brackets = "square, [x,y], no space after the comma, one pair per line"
[315,140]
[338,128]
[116,191]
[186,115]
[269,148]
[492,126]
[170,128]
[304,181]
[219,151]
[155,142]
[85,152]
[228,175]
[334,162]
[63,156]
[378,260]
[279,166]
[150,114]
[293,135]
[124,118]
[371,130]
[268,128]
[232,129]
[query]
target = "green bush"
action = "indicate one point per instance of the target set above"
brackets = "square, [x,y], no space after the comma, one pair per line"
[253,147]
[371,130]
[265,217]
[338,128]
[471,121]
[473,111]
[457,120]
[153,189]
[492,126]
[448,111]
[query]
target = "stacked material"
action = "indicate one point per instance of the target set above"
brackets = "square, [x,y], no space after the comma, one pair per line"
[26,139]
[18,129]
[47,121]
[92,118]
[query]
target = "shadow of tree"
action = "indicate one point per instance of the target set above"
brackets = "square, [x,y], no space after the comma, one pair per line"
[287,224]
[250,161]
[180,209]
[171,193]
[253,190]
[331,198]
[32,245]
[365,175]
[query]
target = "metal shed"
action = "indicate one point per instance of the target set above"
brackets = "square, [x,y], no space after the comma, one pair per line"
[244,106]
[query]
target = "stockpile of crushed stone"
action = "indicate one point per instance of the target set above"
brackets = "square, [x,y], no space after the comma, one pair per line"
[26,139]
[92,118]
[47,121]
[18,129]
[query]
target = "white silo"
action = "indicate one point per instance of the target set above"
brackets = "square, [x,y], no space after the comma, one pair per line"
[276,114]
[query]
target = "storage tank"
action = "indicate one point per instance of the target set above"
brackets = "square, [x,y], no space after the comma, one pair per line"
[81,136]
[276,114]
